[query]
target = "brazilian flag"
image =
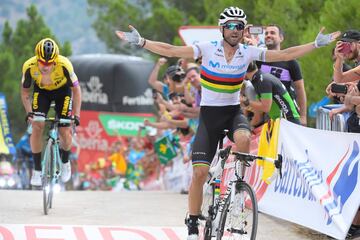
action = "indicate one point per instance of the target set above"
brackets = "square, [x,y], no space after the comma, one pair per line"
[165,150]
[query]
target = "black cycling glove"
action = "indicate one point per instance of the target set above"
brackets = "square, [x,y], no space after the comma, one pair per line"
[28,115]
[77,120]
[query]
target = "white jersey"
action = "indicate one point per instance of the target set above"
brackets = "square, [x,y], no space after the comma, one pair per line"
[221,81]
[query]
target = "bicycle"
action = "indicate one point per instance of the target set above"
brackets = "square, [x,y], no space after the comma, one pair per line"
[51,163]
[227,214]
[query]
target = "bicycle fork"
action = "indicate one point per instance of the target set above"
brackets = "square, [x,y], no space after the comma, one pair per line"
[219,207]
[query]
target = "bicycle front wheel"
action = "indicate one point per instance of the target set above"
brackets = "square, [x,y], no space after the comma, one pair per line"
[47,177]
[207,210]
[239,217]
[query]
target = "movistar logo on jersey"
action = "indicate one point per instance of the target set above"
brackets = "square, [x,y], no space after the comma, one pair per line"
[226,66]
[214,65]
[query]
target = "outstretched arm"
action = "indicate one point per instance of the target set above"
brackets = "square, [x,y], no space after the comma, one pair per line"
[160,48]
[298,51]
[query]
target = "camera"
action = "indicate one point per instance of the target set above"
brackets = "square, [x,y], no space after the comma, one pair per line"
[337,88]
[345,47]
[256,30]
[176,73]
[179,76]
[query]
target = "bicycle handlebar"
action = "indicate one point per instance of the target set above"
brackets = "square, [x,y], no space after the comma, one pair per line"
[52,119]
[247,157]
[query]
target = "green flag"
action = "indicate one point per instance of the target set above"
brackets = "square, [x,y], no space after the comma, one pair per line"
[165,150]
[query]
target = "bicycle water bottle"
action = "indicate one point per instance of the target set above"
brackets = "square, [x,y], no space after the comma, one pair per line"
[217,188]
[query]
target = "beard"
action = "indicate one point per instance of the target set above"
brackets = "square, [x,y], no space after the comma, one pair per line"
[270,44]
[233,41]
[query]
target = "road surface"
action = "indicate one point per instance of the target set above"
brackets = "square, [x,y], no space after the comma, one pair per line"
[129,215]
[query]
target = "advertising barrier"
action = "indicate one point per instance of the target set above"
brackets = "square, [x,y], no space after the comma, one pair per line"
[6,141]
[99,130]
[319,175]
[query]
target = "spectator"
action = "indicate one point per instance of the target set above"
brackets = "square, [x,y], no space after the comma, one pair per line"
[345,68]
[272,97]
[349,48]
[287,71]
[171,80]
[118,159]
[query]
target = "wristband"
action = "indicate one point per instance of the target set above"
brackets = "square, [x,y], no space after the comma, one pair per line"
[143,42]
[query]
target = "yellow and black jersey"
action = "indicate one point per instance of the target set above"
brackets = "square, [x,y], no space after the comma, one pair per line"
[62,74]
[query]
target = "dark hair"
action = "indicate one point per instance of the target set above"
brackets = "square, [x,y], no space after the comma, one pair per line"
[252,67]
[281,31]
[176,73]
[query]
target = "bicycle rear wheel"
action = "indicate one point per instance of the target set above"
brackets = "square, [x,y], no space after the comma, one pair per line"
[239,218]
[47,177]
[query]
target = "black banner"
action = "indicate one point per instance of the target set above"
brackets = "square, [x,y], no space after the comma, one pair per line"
[114,83]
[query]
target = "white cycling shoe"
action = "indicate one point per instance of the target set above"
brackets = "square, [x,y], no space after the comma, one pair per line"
[36,178]
[193,237]
[65,172]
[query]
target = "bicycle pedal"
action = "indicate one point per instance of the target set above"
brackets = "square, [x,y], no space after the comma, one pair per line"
[237,231]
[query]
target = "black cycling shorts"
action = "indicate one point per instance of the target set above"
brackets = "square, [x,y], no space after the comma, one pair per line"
[62,98]
[213,121]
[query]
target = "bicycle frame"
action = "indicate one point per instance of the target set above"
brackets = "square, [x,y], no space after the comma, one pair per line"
[51,161]
[53,140]
[216,207]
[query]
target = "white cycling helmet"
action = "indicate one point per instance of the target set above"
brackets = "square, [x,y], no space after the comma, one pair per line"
[232,14]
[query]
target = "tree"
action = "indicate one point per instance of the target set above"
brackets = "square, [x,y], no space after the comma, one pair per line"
[317,66]
[301,21]
[16,47]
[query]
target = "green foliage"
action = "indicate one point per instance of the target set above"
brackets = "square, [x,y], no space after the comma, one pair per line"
[16,47]
[301,21]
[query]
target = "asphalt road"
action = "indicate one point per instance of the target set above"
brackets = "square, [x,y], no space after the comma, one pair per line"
[140,210]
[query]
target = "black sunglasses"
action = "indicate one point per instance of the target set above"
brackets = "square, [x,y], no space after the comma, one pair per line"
[233,26]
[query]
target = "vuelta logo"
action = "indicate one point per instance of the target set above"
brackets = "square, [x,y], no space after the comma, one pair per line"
[343,178]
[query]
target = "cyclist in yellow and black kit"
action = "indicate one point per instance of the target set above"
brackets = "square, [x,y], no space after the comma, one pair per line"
[54,79]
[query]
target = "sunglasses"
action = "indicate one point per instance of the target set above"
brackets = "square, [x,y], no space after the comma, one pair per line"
[45,63]
[233,26]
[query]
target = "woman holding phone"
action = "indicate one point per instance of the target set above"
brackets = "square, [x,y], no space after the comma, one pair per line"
[347,48]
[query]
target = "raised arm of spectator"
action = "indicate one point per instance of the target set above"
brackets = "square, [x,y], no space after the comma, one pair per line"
[187,94]
[167,104]
[301,100]
[163,49]
[153,78]
[298,51]
[158,125]
[190,112]
[178,123]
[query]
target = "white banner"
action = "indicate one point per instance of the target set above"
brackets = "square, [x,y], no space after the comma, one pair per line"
[194,34]
[319,188]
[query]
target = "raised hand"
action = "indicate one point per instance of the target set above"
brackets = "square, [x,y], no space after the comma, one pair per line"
[132,37]
[325,39]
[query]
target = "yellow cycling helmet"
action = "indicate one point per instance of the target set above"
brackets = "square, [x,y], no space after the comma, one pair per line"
[47,50]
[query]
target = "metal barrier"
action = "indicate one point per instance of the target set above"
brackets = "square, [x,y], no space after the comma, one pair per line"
[338,123]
